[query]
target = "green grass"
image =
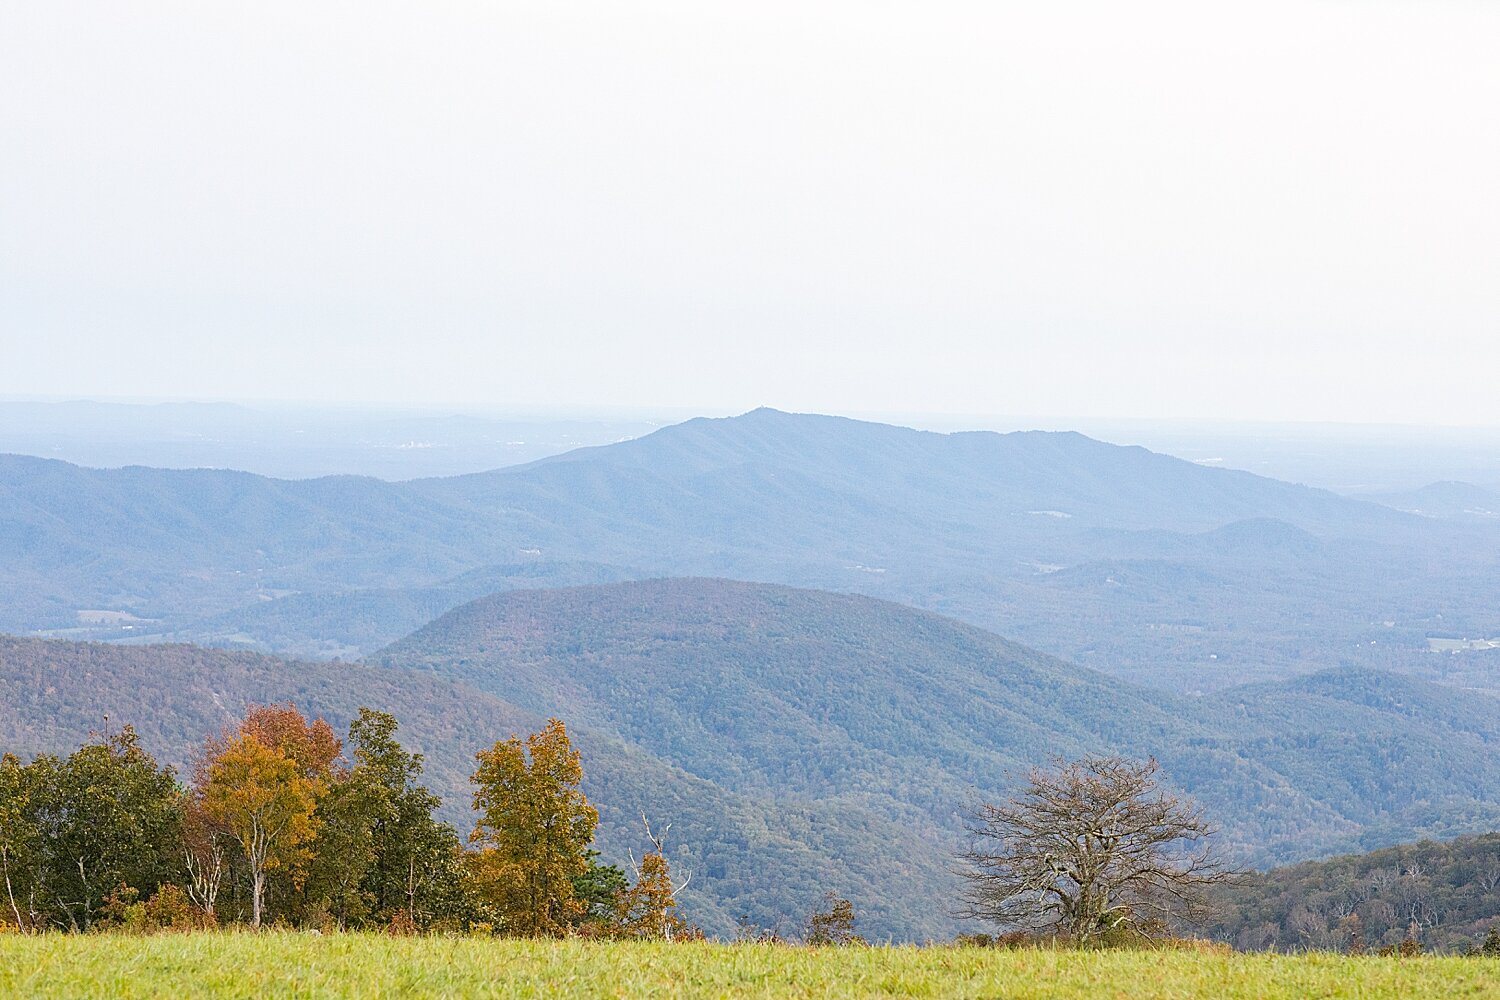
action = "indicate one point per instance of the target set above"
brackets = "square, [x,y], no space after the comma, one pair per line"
[370,966]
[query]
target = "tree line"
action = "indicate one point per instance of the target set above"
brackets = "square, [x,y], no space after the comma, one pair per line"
[281,822]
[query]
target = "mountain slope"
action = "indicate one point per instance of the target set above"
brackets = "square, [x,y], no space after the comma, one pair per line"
[803,741]
[754,857]
[1449,890]
[1020,533]
[770,689]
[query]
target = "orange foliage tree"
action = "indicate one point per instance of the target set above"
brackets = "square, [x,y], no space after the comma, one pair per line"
[261,781]
[534,829]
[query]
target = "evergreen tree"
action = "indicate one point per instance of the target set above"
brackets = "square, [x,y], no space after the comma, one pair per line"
[598,891]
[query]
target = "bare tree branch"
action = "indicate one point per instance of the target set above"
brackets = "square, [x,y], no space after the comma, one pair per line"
[1089,847]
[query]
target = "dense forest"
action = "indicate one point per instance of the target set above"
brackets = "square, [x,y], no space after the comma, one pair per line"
[1443,894]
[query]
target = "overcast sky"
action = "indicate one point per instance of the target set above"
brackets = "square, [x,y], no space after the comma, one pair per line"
[1254,210]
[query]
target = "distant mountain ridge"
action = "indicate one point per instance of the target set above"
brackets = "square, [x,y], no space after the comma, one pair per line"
[1020,533]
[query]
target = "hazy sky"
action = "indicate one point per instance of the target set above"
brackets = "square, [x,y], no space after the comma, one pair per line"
[1251,210]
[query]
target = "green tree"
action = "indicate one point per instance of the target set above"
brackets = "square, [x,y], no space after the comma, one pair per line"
[833,924]
[416,858]
[341,854]
[20,844]
[106,817]
[380,855]
[534,831]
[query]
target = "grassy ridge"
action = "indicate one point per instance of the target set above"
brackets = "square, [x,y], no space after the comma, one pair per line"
[369,966]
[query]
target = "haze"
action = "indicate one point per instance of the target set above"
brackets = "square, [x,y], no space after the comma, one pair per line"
[1269,211]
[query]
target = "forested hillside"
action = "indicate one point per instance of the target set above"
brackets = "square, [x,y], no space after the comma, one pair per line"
[801,741]
[760,858]
[1444,894]
[765,687]
[1169,573]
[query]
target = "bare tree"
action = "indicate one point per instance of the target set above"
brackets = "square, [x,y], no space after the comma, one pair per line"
[1089,847]
[205,856]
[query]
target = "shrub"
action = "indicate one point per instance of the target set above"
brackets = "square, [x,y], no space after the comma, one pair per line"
[169,910]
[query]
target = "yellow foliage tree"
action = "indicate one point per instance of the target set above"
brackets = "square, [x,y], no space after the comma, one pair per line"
[534,829]
[648,909]
[266,802]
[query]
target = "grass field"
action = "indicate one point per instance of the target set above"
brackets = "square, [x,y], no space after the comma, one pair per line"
[369,966]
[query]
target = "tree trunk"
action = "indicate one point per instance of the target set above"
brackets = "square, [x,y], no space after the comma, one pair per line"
[10,893]
[257,892]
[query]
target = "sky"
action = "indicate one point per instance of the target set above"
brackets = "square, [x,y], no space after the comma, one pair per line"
[1228,211]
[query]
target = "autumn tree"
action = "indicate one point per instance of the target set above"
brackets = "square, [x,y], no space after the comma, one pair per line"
[312,746]
[1087,849]
[205,853]
[262,779]
[266,802]
[534,830]
[648,909]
